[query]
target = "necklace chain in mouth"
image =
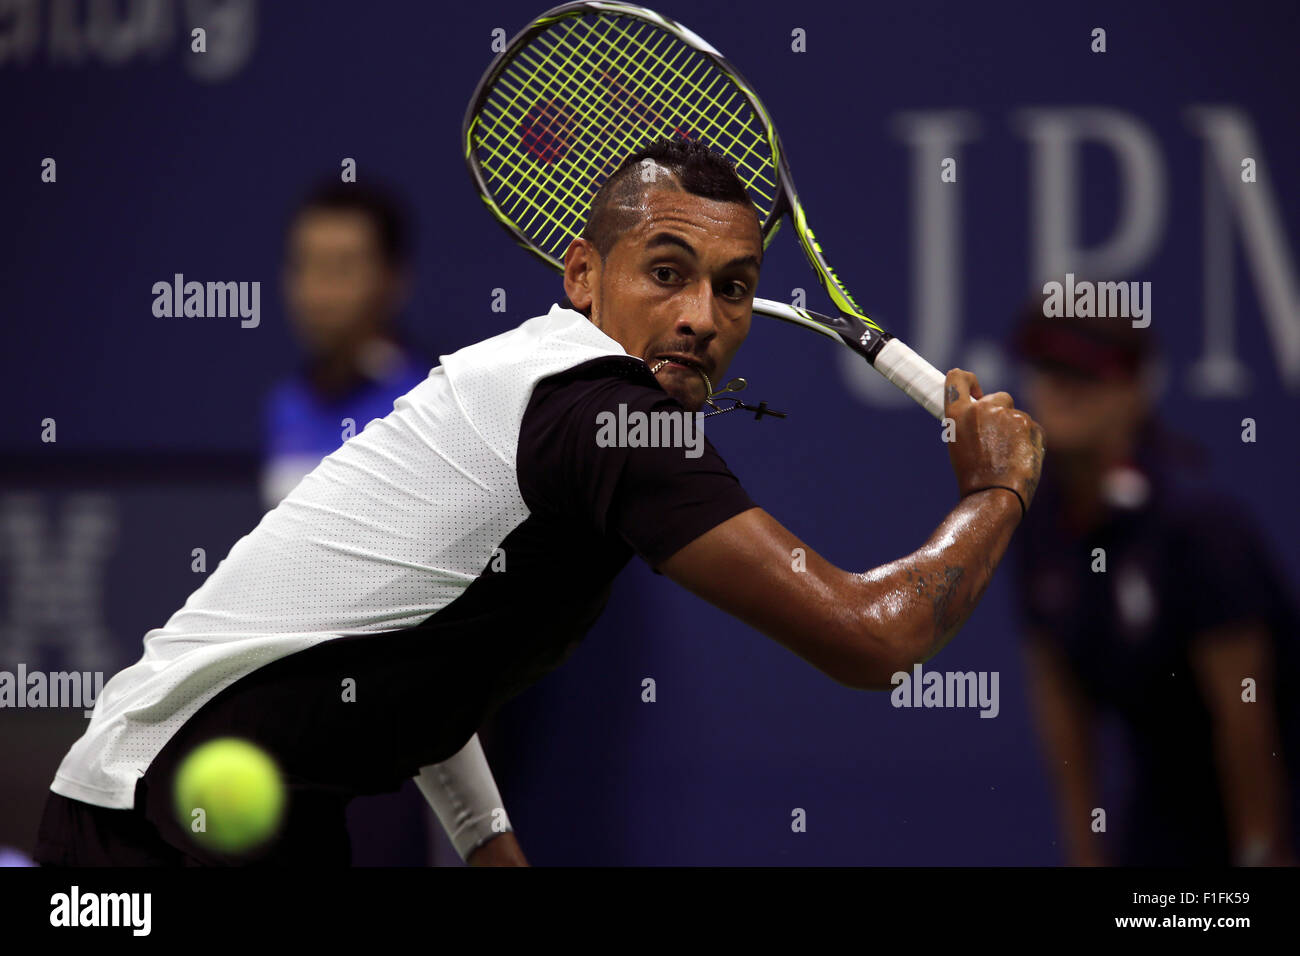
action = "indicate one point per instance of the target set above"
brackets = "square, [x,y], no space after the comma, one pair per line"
[707,384]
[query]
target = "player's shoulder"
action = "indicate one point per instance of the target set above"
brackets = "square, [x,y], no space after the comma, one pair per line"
[602,382]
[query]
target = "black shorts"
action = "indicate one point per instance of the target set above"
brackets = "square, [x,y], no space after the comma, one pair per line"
[73,833]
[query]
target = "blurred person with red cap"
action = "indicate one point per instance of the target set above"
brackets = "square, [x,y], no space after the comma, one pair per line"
[1150,597]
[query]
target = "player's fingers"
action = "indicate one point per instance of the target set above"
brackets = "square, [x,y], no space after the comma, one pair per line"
[958,387]
[1002,399]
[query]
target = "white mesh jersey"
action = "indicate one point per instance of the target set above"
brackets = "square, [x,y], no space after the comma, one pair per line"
[383,534]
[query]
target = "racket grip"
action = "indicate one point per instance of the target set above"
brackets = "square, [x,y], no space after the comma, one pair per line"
[920,380]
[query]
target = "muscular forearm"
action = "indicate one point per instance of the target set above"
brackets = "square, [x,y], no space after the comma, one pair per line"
[920,601]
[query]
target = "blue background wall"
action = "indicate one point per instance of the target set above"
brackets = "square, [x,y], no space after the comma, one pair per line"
[160,171]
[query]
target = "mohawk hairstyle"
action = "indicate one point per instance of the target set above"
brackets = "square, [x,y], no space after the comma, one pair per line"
[698,170]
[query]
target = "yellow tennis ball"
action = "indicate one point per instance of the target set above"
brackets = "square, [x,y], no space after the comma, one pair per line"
[229,795]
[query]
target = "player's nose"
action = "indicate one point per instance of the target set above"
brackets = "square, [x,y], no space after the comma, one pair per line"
[696,317]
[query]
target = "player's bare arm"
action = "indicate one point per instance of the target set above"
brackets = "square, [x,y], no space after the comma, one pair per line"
[860,628]
[503,850]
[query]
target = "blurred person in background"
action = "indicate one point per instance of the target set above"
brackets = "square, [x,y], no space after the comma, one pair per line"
[346,279]
[1188,606]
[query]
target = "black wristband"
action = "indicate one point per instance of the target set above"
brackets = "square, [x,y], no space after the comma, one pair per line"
[1023,509]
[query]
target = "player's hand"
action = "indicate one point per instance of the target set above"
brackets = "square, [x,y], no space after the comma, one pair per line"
[502,850]
[992,443]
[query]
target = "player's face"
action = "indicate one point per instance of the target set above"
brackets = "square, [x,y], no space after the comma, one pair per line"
[1083,416]
[338,287]
[680,283]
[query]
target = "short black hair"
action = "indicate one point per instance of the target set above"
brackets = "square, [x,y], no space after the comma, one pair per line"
[385,211]
[698,169]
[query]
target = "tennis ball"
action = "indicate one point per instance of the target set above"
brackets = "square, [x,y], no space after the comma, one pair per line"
[237,787]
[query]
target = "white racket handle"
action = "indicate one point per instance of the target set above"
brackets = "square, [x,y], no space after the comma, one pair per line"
[920,380]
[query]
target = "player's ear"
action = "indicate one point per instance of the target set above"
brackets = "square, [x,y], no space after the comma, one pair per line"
[581,273]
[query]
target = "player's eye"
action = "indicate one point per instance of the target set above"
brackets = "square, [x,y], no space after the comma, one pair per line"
[665,274]
[734,290]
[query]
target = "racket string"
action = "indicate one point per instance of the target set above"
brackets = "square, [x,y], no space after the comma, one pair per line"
[525,115]
[633,107]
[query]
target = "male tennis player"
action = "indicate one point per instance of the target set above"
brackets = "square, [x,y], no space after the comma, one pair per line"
[453,552]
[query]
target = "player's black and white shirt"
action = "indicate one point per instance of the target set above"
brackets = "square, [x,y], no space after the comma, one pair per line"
[437,563]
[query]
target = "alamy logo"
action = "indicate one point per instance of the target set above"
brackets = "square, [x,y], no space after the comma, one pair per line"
[1084,300]
[946,689]
[208,300]
[75,908]
[36,689]
[667,428]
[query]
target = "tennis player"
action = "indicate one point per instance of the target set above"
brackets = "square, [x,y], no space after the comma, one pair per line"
[453,552]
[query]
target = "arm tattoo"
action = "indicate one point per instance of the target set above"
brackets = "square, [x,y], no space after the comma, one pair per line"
[940,589]
[945,616]
[1031,485]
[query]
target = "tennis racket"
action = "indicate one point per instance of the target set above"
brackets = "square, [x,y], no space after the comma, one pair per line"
[588,83]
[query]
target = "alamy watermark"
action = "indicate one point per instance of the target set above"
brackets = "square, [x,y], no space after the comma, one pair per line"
[1085,300]
[210,300]
[37,689]
[946,689]
[125,910]
[666,428]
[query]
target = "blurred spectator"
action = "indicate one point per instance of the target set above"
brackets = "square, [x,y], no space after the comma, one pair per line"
[346,277]
[1150,597]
